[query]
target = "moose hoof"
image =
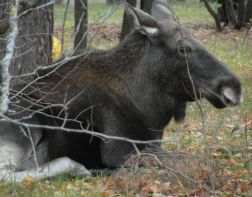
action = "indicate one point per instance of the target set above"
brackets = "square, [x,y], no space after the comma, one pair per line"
[75,168]
[80,171]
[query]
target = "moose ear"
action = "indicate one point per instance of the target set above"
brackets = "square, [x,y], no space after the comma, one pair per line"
[143,22]
[160,10]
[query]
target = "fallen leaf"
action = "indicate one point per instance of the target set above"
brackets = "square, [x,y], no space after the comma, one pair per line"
[27,180]
[200,193]
[232,162]
[109,182]
[104,194]
[233,142]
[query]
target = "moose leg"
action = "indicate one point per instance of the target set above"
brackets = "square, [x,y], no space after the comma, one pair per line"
[53,168]
[115,153]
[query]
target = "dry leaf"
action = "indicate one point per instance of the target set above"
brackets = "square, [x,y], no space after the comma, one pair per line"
[27,180]
[232,162]
[233,142]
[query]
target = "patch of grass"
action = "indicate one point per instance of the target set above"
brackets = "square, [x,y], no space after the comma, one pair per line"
[187,13]
[96,11]
[60,186]
[192,13]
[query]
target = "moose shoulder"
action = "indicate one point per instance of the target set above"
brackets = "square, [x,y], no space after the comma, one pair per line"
[136,87]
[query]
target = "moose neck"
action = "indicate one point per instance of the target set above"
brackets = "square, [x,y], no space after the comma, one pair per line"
[121,59]
[135,65]
[151,88]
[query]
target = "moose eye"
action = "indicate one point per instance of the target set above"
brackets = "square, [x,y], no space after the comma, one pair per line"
[184,50]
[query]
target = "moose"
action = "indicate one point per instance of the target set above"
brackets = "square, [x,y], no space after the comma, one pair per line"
[128,91]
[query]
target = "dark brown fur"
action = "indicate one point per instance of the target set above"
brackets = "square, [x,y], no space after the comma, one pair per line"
[132,90]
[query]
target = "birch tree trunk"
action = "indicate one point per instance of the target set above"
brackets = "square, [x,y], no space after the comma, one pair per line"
[33,44]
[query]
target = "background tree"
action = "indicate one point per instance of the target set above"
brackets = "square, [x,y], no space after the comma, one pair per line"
[233,12]
[4,26]
[33,44]
[81,21]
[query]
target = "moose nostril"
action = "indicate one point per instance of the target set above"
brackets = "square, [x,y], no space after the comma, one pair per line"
[227,100]
[230,97]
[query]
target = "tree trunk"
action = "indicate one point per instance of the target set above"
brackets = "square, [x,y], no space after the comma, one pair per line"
[244,11]
[249,11]
[26,43]
[4,25]
[81,21]
[241,12]
[4,17]
[235,12]
[33,45]
[127,25]
[213,14]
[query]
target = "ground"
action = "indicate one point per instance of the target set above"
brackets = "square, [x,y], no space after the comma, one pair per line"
[223,135]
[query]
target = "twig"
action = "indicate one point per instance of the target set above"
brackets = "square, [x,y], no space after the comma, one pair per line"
[138,156]
[175,172]
[29,136]
[245,40]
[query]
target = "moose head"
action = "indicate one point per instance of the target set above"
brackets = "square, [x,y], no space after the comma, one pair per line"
[183,66]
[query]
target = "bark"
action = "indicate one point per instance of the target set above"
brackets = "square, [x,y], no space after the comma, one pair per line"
[4,9]
[4,25]
[6,60]
[81,21]
[26,43]
[34,42]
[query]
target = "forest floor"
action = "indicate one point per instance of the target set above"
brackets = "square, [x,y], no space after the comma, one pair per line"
[226,133]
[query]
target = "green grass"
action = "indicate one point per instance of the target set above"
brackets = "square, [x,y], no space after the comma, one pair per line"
[96,12]
[187,13]
[192,13]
